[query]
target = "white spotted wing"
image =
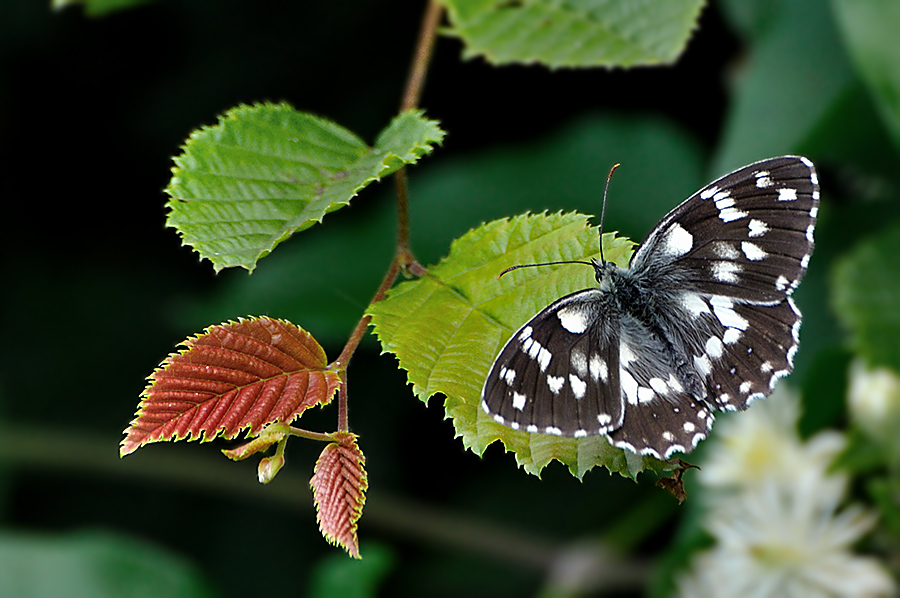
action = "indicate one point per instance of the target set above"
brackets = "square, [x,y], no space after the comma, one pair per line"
[701,320]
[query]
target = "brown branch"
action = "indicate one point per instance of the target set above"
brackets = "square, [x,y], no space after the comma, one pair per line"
[421,59]
[403,260]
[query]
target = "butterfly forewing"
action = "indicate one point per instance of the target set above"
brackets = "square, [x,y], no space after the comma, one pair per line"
[747,235]
[702,319]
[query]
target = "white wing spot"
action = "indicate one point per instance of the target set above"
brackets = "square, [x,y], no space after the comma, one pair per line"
[795,331]
[723,307]
[578,386]
[555,383]
[757,228]
[668,436]
[714,347]
[674,383]
[725,271]
[508,375]
[625,354]
[526,333]
[709,192]
[787,194]
[659,385]
[544,358]
[766,367]
[703,365]
[677,241]
[553,430]
[689,427]
[809,232]
[752,251]
[731,336]
[573,319]
[745,387]
[598,368]
[725,250]
[814,211]
[514,425]
[763,181]
[518,401]
[724,398]
[499,419]
[804,261]
[781,283]
[629,386]
[694,303]
[580,433]
[792,352]
[604,419]
[729,214]
[645,395]
[531,428]
[579,362]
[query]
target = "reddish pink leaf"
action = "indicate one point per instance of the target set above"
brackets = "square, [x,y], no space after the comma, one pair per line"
[339,485]
[235,376]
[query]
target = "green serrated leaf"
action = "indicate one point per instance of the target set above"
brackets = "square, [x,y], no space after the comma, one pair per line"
[575,33]
[446,328]
[565,170]
[869,29]
[866,293]
[266,171]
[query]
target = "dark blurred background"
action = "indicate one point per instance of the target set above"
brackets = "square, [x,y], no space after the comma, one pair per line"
[97,291]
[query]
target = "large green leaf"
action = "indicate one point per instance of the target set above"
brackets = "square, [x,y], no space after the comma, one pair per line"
[266,171]
[795,74]
[575,33]
[869,28]
[566,170]
[447,327]
[866,296]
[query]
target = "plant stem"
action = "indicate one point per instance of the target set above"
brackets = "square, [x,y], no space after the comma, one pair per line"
[341,362]
[310,435]
[421,59]
[403,259]
[411,95]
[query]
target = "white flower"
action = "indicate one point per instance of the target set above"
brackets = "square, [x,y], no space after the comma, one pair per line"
[782,541]
[762,443]
[874,400]
[774,510]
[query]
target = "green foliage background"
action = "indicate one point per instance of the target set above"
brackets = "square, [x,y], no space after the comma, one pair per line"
[97,291]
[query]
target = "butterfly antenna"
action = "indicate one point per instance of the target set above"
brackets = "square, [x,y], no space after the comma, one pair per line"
[511,268]
[603,209]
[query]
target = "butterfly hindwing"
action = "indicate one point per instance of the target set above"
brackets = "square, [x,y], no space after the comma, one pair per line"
[553,375]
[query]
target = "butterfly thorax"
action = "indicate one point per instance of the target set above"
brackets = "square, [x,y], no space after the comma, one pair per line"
[639,304]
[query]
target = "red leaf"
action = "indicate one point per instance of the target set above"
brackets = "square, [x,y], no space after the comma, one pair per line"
[234,376]
[339,485]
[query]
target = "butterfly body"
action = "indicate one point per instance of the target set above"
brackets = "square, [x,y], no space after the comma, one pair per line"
[700,320]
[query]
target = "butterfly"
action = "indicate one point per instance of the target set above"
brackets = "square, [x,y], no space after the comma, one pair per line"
[701,320]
